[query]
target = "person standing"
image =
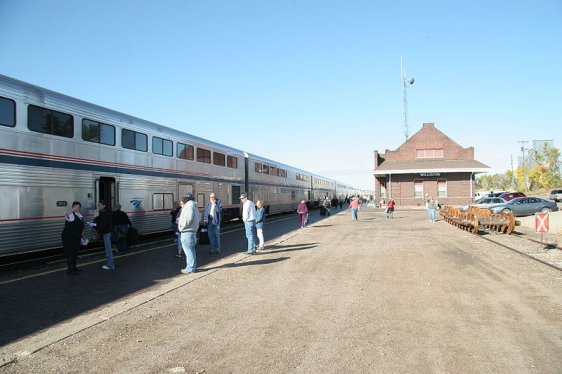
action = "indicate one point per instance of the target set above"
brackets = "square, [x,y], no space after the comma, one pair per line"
[175,213]
[390,209]
[302,211]
[188,224]
[103,226]
[326,205]
[71,236]
[249,218]
[354,206]
[260,221]
[121,224]
[431,207]
[212,217]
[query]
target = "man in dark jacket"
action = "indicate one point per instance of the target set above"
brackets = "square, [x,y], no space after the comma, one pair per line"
[103,226]
[121,224]
[212,217]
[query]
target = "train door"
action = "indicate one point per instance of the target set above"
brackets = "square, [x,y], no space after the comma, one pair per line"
[106,191]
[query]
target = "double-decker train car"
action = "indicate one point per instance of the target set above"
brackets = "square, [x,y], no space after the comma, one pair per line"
[55,149]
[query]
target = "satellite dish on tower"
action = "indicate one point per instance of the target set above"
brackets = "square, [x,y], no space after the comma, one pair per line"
[411,81]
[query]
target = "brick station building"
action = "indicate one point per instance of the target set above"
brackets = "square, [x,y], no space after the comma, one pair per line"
[427,164]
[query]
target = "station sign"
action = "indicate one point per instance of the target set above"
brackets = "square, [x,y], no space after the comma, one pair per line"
[430,174]
[541,222]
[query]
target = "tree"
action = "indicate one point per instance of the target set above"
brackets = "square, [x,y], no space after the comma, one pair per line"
[544,173]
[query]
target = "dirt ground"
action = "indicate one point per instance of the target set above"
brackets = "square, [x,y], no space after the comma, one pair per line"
[378,295]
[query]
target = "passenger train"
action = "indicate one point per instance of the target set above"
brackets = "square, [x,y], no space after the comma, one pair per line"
[56,149]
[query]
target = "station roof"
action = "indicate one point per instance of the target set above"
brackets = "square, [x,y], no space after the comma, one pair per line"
[430,166]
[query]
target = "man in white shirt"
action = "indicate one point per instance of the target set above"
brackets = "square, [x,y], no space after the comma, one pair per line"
[249,218]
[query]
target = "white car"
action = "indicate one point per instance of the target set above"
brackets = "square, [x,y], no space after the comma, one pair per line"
[483,203]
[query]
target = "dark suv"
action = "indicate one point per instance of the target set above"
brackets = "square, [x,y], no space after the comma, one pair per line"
[556,195]
[511,195]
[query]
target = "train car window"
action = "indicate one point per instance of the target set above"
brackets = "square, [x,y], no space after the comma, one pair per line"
[265,169]
[185,151]
[162,201]
[134,140]
[203,155]
[7,112]
[162,146]
[273,170]
[49,121]
[232,162]
[97,132]
[219,159]
[257,167]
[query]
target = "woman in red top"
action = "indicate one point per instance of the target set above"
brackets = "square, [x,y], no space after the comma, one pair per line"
[390,209]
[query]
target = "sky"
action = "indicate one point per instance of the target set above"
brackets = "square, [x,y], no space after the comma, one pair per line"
[315,84]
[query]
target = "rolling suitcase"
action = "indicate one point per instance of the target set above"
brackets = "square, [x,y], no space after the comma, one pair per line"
[203,236]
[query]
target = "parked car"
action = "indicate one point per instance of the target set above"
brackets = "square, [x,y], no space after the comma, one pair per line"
[491,194]
[483,203]
[556,195]
[524,206]
[511,195]
[481,194]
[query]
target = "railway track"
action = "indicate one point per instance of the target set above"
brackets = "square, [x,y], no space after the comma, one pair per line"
[548,252]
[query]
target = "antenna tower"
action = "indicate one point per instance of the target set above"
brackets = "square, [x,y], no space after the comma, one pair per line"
[405,82]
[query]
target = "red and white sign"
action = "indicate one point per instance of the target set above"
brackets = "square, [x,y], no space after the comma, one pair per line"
[541,222]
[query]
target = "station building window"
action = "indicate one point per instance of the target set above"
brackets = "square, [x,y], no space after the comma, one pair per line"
[429,153]
[97,132]
[134,140]
[162,146]
[49,121]
[441,187]
[7,112]
[418,189]
[185,151]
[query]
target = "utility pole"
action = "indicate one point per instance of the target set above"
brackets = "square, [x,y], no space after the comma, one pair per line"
[524,148]
[512,175]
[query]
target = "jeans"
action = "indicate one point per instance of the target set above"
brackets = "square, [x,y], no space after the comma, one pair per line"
[249,225]
[431,213]
[260,238]
[108,250]
[354,214]
[188,239]
[214,232]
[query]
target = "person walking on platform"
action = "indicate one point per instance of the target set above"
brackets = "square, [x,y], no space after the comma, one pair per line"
[102,223]
[188,224]
[72,236]
[302,211]
[431,207]
[260,221]
[249,218]
[212,217]
[121,224]
[390,209]
[326,204]
[175,213]
[354,206]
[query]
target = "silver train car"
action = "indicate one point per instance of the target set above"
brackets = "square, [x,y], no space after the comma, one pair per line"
[55,149]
